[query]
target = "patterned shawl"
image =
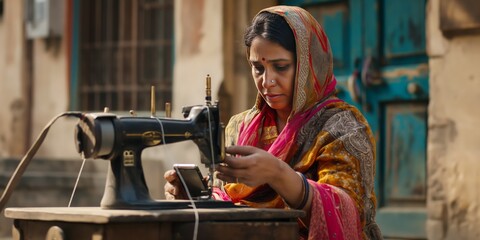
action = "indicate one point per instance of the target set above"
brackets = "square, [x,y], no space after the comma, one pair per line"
[338,159]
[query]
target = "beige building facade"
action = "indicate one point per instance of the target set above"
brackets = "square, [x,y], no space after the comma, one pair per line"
[35,87]
[454,52]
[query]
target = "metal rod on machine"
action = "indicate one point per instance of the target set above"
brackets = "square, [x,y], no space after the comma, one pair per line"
[152,101]
[208,90]
[168,110]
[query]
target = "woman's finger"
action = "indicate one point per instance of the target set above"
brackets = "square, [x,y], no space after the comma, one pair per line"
[170,175]
[241,150]
[227,178]
[236,162]
[169,191]
[169,196]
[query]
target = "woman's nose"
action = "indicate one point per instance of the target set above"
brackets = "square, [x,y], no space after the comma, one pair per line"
[268,79]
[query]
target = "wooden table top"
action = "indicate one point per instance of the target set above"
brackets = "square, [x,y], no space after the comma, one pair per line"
[99,215]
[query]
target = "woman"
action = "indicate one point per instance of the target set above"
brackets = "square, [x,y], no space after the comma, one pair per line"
[299,146]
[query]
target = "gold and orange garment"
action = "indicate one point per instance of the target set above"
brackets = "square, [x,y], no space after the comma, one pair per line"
[335,150]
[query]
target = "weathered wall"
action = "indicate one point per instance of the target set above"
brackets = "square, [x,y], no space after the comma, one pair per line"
[2,77]
[13,103]
[50,97]
[198,51]
[34,84]
[453,167]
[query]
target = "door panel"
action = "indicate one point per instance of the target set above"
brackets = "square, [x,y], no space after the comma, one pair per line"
[381,66]
[405,152]
[403,29]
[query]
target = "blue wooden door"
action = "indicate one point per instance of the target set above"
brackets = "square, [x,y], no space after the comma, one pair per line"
[381,65]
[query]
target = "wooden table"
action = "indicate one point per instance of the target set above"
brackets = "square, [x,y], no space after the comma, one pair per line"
[100,224]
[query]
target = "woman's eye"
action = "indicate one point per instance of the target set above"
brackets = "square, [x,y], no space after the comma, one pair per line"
[258,69]
[282,68]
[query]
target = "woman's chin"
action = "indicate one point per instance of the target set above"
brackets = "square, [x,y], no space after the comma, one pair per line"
[277,106]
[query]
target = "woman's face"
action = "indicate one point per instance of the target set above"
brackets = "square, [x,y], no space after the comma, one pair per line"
[270,61]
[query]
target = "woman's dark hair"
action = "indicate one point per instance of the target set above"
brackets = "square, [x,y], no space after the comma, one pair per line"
[272,27]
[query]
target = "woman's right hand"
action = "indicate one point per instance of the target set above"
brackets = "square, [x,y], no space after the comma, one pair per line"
[173,187]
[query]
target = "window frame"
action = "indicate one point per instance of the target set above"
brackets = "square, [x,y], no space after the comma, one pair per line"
[146,42]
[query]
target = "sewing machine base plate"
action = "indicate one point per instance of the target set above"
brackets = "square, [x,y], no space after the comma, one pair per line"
[172,204]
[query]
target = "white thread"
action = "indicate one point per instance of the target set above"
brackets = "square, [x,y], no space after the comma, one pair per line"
[23,164]
[195,211]
[76,182]
[197,220]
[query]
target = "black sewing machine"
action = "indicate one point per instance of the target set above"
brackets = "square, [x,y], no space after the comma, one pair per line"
[121,139]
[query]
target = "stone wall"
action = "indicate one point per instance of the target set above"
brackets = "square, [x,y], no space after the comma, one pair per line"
[453,166]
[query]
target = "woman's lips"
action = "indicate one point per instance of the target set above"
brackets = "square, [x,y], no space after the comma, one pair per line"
[272,96]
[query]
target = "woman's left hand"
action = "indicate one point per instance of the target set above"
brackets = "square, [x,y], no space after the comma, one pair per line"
[249,165]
